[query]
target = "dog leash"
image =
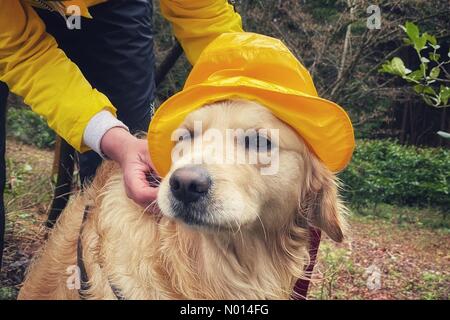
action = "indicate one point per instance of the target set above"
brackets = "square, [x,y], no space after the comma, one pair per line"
[84,279]
[301,287]
[84,286]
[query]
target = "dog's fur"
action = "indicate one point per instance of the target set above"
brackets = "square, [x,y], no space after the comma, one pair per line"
[251,242]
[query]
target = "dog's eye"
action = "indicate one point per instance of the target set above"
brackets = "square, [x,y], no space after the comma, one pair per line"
[257,142]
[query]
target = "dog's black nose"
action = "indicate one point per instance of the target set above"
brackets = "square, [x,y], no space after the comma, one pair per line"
[189,183]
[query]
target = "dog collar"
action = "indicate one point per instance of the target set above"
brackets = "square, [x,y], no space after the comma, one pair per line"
[302,285]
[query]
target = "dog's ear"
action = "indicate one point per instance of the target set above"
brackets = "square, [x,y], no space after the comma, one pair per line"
[326,211]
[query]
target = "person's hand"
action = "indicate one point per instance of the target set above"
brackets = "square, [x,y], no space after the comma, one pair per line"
[132,155]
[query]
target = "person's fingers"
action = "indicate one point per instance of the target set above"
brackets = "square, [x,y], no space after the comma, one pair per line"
[144,155]
[151,175]
[141,192]
[137,168]
[138,187]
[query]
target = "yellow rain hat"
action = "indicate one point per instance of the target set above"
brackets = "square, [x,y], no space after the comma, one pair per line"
[259,68]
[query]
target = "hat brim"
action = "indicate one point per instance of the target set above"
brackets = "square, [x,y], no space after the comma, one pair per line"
[322,124]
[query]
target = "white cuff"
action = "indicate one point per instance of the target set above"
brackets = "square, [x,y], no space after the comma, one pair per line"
[97,127]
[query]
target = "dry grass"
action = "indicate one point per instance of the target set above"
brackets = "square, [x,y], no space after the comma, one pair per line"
[413,262]
[28,194]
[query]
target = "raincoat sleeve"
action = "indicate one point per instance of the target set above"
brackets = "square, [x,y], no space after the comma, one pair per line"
[33,66]
[197,23]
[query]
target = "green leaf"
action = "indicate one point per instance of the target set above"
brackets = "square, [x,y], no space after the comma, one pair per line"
[436,47]
[436,100]
[434,73]
[416,75]
[424,68]
[429,90]
[445,95]
[431,39]
[435,57]
[420,44]
[386,68]
[444,135]
[428,100]
[407,42]
[412,31]
[396,66]
[421,89]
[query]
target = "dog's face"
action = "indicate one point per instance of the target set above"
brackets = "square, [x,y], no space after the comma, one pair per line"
[237,167]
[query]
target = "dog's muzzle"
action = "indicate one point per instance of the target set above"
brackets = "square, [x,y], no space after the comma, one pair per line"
[189,184]
[190,188]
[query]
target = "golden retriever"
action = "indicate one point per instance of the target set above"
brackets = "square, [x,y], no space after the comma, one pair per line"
[222,231]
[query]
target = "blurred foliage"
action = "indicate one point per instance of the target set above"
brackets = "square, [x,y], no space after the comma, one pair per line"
[429,217]
[28,127]
[387,172]
[7,293]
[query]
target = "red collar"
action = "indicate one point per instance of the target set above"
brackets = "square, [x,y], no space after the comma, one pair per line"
[301,286]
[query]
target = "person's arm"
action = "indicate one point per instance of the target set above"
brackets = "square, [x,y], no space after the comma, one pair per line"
[197,23]
[33,66]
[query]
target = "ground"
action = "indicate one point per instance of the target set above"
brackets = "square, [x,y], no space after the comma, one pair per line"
[410,262]
[381,258]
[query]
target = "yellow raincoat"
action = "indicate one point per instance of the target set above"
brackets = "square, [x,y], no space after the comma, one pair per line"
[33,66]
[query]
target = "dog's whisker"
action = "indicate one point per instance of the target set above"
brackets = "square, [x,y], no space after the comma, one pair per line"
[149,208]
[153,179]
[240,231]
[263,227]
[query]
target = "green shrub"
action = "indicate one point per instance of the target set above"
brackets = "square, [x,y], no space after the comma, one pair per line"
[325,10]
[387,172]
[28,127]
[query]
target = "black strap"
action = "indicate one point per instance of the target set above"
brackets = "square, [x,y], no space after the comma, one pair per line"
[84,279]
[64,182]
[3,100]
